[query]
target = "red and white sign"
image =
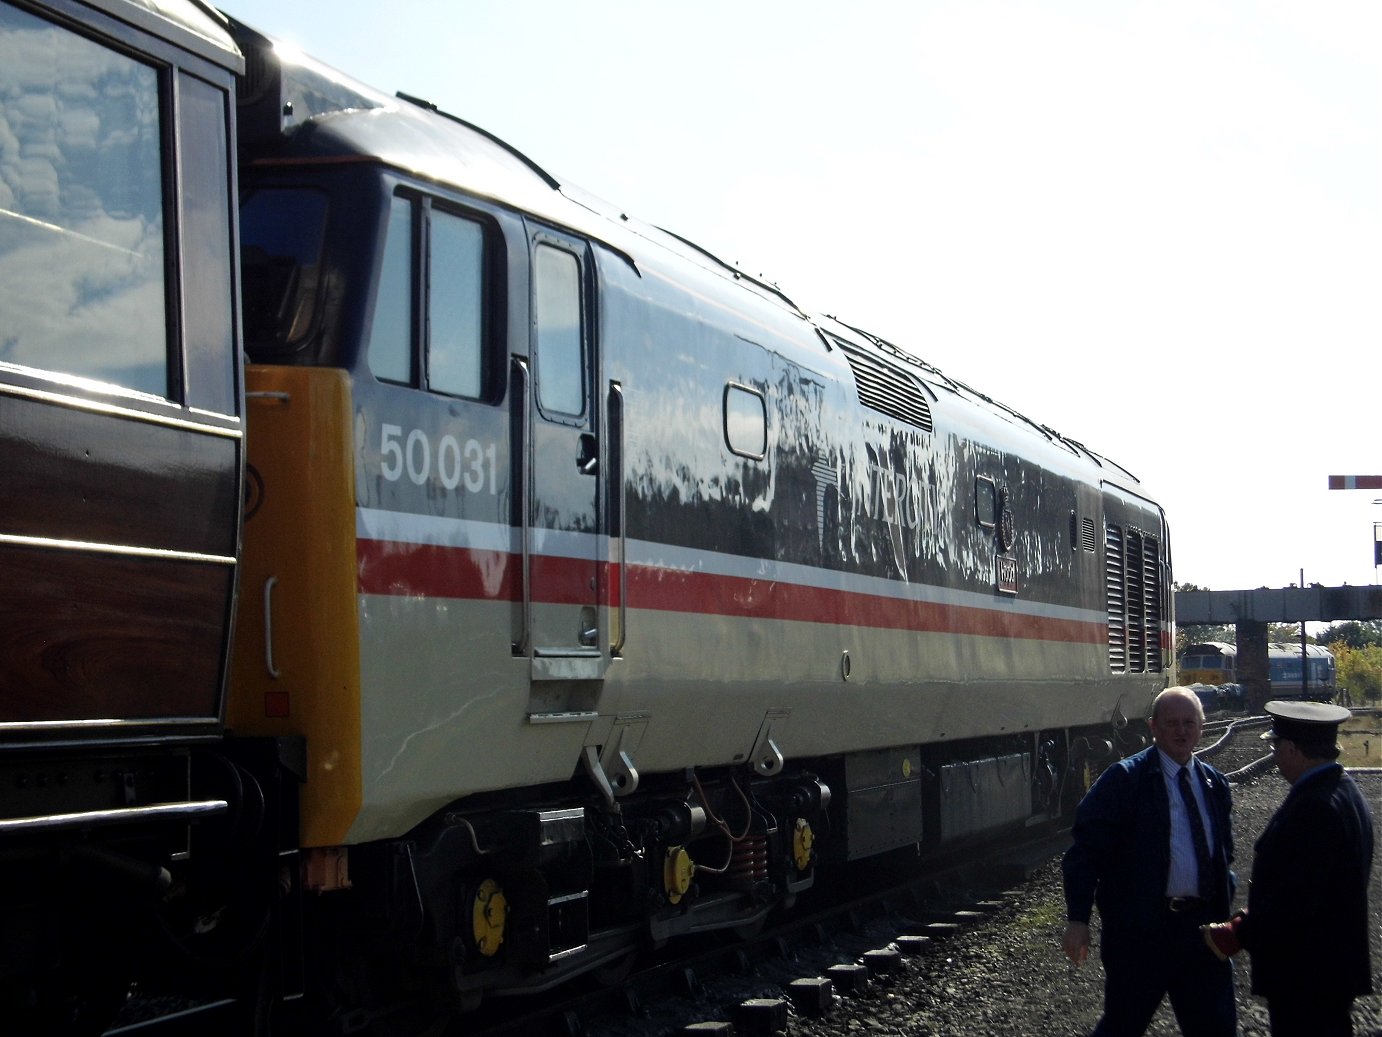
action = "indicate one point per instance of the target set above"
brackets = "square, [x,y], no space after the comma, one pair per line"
[1355,482]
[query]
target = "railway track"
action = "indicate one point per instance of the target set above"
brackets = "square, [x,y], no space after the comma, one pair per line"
[895,910]
[1234,746]
[851,942]
[851,939]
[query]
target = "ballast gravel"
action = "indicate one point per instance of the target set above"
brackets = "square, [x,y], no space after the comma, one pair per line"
[1000,974]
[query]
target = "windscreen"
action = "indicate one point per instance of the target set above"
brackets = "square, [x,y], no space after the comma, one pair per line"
[281,233]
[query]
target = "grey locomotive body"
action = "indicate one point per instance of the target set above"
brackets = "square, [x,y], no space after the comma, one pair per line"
[660,592]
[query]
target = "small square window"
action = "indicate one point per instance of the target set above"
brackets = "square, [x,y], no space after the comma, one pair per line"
[986,502]
[746,422]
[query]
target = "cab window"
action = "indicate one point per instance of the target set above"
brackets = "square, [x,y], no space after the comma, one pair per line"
[281,234]
[448,253]
[455,306]
[391,330]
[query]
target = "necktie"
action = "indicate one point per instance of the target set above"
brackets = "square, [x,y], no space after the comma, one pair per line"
[1192,811]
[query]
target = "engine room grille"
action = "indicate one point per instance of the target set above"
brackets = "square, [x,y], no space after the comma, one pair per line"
[1082,534]
[1133,585]
[888,389]
[1117,601]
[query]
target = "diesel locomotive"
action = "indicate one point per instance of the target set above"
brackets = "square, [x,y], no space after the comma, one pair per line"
[539,590]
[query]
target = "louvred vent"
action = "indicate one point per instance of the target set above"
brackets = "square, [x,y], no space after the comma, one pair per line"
[1133,581]
[888,389]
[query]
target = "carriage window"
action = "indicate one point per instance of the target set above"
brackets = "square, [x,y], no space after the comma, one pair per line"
[82,259]
[560,358]
[454,306]
[391,333]
[211,359]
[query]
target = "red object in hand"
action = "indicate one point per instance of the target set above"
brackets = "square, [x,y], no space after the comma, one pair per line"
[1222,938]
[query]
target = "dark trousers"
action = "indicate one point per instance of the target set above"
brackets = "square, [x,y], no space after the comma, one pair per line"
[1175,963]
[1308,1017]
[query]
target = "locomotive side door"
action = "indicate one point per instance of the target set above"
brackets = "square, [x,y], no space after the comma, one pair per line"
[563,477]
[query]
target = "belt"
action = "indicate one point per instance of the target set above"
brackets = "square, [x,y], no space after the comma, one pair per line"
[1179,904]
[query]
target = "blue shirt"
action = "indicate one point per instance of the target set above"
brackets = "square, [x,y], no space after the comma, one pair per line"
[1183,877]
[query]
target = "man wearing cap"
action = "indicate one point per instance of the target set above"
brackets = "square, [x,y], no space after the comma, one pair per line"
[1152,847]
[1306,926]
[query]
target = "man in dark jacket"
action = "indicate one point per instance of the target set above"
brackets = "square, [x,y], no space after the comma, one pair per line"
[1306,925]
[1152,847]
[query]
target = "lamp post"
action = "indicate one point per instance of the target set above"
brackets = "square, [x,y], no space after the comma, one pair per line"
[1304,654]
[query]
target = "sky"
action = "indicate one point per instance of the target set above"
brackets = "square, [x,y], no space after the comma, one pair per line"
[1154,226]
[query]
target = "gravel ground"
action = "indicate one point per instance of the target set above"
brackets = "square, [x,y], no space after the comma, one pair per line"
[1006,975]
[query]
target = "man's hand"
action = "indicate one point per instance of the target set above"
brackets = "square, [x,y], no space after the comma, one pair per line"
[1222,937]
[1075,942]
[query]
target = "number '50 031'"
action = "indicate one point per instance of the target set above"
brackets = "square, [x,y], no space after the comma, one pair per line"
[453,465]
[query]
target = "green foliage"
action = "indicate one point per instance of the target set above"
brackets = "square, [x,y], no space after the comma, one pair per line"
[1286,634]
[1359,670]
[1353,633]
[1200,633]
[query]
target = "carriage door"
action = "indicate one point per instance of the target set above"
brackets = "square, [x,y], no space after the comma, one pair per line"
[563,466]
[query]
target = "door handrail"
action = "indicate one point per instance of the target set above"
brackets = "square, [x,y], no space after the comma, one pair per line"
[524,398]
[616,419]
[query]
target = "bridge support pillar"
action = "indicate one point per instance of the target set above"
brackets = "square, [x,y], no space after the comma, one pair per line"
[1253,673]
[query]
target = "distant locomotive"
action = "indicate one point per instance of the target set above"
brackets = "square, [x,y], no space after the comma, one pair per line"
[1286,663]
[589,593]
[1216,662]
[1212,662]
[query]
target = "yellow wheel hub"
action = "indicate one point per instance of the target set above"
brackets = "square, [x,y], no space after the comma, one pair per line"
[488,915]
[677,870]
[803,839]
